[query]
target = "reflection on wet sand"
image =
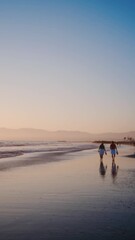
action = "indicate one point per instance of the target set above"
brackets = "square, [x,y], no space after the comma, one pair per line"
[102,169]
[114,170]
[75,198]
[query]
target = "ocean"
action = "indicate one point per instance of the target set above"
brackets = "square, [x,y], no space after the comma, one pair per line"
[56,191]
[17,153]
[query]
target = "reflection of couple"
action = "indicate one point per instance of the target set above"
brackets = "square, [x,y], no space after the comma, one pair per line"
[102,151]
[103,169]
[114,169]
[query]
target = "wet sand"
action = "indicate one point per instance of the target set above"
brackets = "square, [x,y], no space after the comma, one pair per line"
[68,198]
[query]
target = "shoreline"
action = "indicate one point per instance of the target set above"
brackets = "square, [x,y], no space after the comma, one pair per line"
[131,155]
[45,201]
[63,150]
[10,154]
[37,158]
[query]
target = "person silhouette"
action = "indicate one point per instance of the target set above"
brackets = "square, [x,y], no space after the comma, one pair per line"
[102,150]
[113,150]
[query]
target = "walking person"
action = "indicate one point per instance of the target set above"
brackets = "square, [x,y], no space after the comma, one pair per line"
[114,150]
[102,150]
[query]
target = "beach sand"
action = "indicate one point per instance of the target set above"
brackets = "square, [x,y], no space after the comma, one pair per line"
[67,197]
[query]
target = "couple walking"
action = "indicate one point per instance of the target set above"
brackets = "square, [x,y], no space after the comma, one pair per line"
[113,149]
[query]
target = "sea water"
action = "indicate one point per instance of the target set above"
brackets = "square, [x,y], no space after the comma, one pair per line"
[13,148]
[69,198]
[23,153]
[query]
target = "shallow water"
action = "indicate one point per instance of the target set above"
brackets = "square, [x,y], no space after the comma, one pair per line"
[17,148]
[69,199]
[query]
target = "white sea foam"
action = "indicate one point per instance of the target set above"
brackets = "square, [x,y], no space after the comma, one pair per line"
[15,148]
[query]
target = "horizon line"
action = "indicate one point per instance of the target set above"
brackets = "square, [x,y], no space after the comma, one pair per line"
[62,130]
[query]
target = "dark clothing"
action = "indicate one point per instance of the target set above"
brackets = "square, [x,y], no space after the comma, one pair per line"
[113,146]
[102,146]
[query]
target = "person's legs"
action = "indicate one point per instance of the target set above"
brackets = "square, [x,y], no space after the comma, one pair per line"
[101,156]
[113,154]
[101,153]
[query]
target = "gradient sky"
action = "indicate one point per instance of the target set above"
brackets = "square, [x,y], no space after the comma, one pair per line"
[67,64]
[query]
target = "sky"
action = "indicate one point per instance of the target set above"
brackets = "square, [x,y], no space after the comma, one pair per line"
[67,65]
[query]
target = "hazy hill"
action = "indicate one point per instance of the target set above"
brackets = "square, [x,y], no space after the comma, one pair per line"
[39,134]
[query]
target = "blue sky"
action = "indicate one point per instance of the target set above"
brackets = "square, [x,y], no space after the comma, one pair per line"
[68,64]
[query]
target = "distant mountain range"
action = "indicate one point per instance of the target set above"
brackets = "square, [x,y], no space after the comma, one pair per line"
[40,134]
